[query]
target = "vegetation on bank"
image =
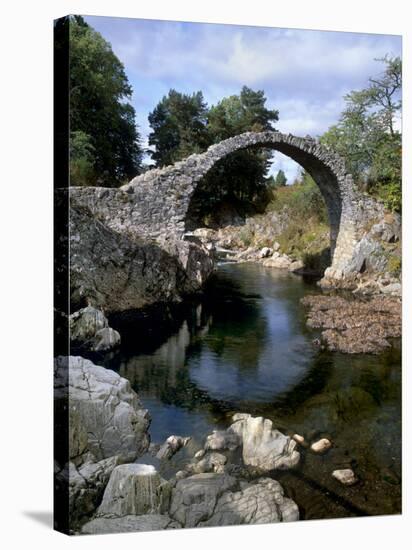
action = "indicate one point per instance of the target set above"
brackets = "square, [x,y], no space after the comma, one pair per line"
[302,230]
[368,135]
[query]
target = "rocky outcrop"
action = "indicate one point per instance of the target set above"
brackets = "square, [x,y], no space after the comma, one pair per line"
[115,267]
[355,326]
[261,502]
[106,416]
[264,447]
[135,489]
[213,499]
[90,329]
[215,488]
[129,524]
[107,426]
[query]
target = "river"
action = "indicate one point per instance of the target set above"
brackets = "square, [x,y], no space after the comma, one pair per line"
[244,346]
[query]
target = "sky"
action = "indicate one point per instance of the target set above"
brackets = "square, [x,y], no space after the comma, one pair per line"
[304,74]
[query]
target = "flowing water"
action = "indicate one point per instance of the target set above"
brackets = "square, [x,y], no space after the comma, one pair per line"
[244,346]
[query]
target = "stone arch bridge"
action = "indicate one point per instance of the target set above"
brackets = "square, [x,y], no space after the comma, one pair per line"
[157,203]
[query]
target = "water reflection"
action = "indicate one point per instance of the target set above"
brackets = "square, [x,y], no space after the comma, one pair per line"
[245,346]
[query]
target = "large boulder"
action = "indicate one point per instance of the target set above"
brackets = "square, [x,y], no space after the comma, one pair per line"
[262,502]
[194,498]
[90,328]
[264,447]
[135,489]
[105,415]
[218,499]
[87,482]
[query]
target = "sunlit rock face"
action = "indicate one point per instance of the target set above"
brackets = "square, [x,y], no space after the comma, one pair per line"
[107,426]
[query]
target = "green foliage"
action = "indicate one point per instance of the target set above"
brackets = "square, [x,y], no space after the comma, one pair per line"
[81,159]
[281,179]
[303,200]
[99,111]
[394,266]
[366,136]
[182,124]
[178,125]
[240,176]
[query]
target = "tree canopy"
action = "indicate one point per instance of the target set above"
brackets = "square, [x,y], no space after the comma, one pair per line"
[367,135]
[183,124]
[104,142]
[179,127]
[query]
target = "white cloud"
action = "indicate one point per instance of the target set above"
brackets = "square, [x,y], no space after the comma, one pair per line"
[304,73]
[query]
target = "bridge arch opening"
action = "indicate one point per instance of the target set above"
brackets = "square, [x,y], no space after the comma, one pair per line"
[307,158]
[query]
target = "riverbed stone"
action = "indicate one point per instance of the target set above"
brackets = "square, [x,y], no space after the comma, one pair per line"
[264,447]
[210,462]
[321,446]
[221,440]
[170,447]
[345,476]
[135,489]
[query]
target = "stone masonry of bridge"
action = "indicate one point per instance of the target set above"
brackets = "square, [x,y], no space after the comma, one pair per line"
[156,204]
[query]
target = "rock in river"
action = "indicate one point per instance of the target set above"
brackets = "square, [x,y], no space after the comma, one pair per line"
[345,476]
[218,499]
[135,489]
[170,447]
[321,446]
[90,328]
[264,447]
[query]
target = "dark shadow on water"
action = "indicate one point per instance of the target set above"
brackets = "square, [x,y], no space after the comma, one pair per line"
[43,518]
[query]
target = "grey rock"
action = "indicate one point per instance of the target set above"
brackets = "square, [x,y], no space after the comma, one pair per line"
[105,339]
[321,446]
[280,262]
[194,498]
[128,524]
[345,476]
[263,447]
[85,323]
[86,484]
[217,499]
[211,462]
[106,417]
[135,489]
[262,502]
[89,327]
[221,440]
[170,447]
